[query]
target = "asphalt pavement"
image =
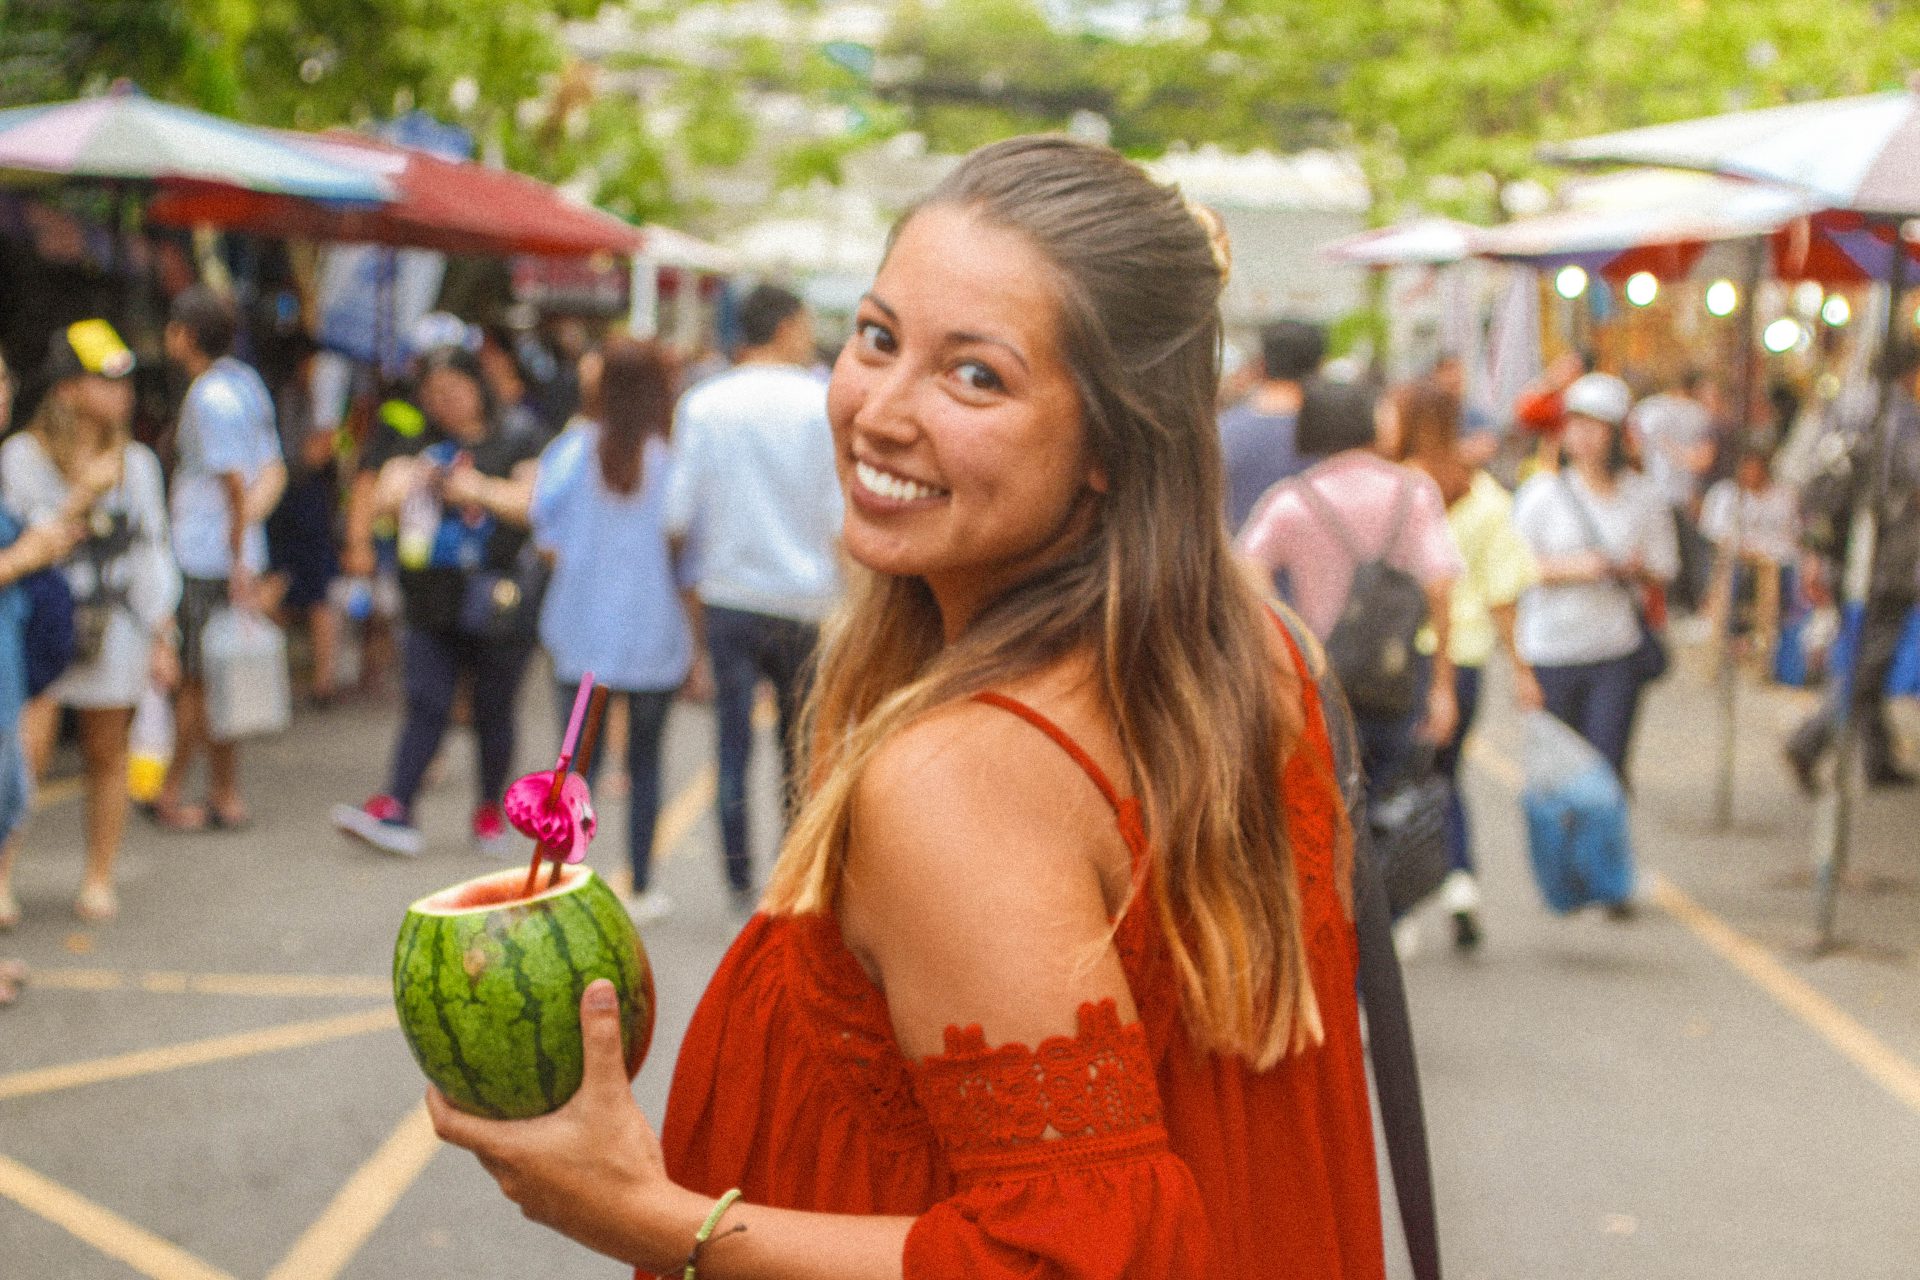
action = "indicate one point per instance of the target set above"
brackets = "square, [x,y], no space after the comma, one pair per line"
[212,1087]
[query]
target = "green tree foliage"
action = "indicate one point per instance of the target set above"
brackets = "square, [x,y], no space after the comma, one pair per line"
[1425,89]
[1443,100]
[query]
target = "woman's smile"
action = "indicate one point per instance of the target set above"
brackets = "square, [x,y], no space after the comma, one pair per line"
[881,490]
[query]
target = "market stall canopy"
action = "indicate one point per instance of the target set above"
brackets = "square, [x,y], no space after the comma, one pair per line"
[1666,222]
[1859,153]
[1430,242]
[451,206]
[667,247]
[125,135]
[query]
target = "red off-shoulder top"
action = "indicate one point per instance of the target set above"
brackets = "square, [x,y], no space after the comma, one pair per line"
[1121,1151]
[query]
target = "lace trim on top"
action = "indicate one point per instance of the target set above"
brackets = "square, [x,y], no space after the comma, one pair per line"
[1073,1101]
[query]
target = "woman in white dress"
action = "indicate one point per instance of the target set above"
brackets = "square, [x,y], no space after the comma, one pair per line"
[77,459]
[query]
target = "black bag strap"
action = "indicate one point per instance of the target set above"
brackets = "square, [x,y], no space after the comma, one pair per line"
[1324,512]
[1396,1072]
[1584,514]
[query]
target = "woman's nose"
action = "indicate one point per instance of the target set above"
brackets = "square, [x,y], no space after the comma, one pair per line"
[886,411]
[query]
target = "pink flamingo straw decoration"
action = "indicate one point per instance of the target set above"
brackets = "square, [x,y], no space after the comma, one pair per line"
[554,807]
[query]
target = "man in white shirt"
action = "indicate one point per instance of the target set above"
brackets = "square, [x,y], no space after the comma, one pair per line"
[1677,445]
[754,496]
[227,479]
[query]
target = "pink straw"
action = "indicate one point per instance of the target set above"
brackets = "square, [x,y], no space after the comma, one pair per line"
[574,722]
[579,714]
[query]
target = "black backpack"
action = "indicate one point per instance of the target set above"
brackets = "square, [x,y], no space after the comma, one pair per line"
[1371,647]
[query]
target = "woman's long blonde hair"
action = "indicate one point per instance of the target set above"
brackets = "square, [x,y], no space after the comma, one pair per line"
[1180,640]
[68,437]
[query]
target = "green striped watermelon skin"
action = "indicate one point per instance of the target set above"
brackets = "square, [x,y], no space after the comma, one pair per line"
[489,998]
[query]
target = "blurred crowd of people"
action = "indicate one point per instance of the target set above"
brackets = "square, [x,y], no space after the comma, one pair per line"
[672,531]
[668,528]
[1574,539]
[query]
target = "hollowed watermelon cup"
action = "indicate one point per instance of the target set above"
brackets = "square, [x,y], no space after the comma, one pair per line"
[488,981]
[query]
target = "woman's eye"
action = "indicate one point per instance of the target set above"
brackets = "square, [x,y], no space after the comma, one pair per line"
[875,337]
[979,377]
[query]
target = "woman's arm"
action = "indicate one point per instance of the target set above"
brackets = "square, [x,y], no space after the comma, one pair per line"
[508,498]
[974,892]
[1526,687]
[594,1172]
[1443,704]
[1572,570]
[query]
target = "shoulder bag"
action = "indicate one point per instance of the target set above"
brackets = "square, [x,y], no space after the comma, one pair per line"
[1650,658]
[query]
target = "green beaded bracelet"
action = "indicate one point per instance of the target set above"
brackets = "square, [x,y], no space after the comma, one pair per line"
[702,1236]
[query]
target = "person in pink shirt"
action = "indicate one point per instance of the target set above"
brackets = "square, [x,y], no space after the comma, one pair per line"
[1366,495]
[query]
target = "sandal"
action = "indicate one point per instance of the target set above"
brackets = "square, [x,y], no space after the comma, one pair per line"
[97,903]
[184,818]
[235,819]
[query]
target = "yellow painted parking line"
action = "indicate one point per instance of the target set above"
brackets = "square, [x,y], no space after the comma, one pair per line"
[683,813]
[264,985]
[324,1249]
[1845,1034]
[102,1228]
[146,1062]
[1852,1041]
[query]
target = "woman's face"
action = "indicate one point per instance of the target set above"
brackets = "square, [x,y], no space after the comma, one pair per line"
[451,400]
[105,402]
[1587,441]
[956,423]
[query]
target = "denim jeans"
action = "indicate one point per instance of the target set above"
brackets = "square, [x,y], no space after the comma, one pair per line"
[1389,745]
[435,663]
[646,726]
[1446,760]
[746,648]
[1599,700]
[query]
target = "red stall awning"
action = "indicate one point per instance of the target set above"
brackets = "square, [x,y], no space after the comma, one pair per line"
[450,206]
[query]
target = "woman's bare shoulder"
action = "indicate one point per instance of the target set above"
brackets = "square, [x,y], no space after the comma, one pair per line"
[976,886]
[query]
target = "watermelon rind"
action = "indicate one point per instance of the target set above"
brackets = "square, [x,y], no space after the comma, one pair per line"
[489,997]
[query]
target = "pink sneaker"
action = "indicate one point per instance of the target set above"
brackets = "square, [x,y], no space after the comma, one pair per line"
[490,830]
[382,823]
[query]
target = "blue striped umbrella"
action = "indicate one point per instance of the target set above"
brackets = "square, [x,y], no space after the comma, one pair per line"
[128,136]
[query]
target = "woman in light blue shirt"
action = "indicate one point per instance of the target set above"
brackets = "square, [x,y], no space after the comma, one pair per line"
[615,606]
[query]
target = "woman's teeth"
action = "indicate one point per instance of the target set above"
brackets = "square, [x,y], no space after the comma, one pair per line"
[887,485]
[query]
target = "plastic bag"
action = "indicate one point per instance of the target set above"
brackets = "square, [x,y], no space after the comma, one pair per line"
[1577,836]
[248,691]
[149,746]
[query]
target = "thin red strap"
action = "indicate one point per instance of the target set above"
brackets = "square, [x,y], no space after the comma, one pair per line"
[1063,739]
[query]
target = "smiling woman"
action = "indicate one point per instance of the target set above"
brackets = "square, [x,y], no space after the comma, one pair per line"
[1066,788]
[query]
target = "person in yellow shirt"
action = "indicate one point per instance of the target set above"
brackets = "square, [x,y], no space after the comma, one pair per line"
[1421,428]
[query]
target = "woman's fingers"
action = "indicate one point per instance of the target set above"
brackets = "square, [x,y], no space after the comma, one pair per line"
[604,1069]
[456,1126]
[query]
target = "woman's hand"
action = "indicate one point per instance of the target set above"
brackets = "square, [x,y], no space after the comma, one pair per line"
[163,663]
[593,1170]
[97,476]
[1443,713]
[1526,688]
[465,486]
[698,686]
[43,545]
